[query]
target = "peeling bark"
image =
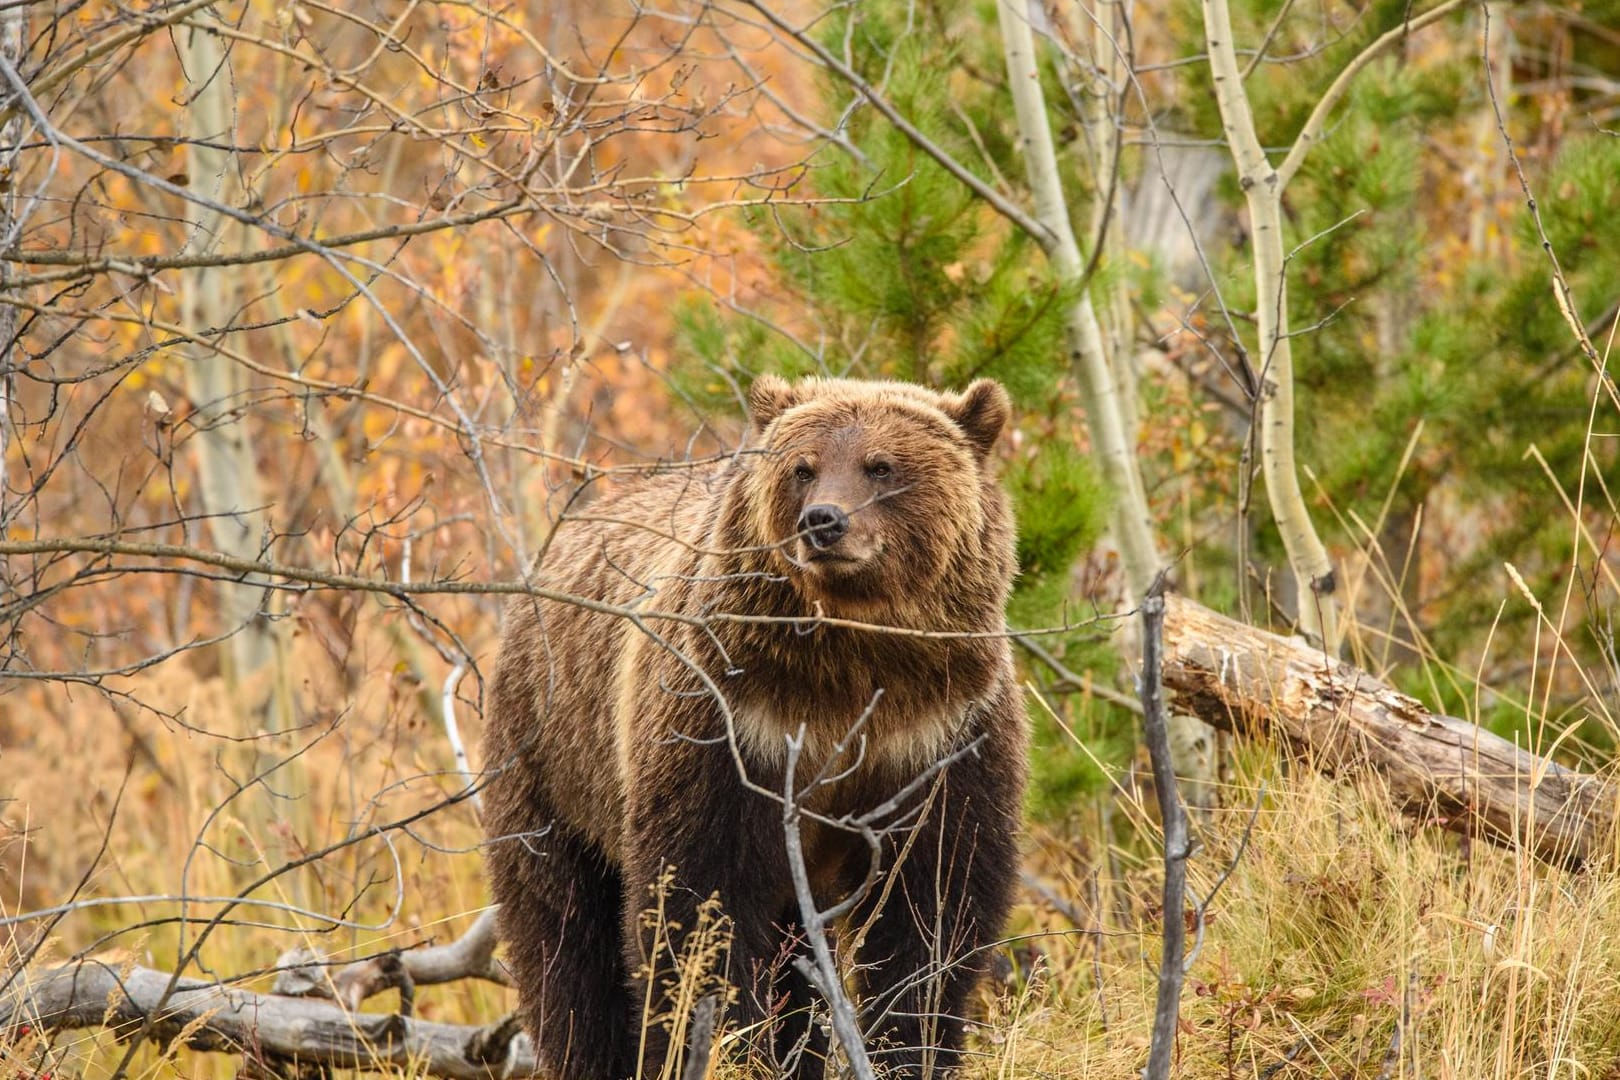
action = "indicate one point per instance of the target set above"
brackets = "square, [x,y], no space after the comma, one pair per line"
[1344,722]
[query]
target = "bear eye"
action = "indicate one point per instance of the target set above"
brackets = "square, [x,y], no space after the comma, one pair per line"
[879,471]
[804,474]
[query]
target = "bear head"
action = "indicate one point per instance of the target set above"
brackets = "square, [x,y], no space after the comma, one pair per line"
[870,495]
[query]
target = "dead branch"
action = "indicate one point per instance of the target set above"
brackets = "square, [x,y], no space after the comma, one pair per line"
[819,968]
[1177,843]
[297,578]
[269,1027]
[1344,722]
[471,956]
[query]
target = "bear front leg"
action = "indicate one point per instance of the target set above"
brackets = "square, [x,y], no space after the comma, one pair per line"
[559,900]
[925,950]
[704,885]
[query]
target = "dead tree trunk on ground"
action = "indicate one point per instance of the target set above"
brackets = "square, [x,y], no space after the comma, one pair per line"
[1344,721]
[300,1025]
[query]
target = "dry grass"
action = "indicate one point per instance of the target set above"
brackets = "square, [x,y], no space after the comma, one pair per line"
[1342,926]
[1350,940]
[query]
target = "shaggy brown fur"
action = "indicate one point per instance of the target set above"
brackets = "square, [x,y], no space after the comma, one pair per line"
[611,758]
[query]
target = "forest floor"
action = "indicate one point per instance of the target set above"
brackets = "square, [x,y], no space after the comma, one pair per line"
[1344,941]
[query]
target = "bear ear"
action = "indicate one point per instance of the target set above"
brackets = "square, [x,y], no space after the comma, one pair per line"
[768,398]
[981,411]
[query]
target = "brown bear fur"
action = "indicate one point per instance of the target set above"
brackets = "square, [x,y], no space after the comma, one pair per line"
[610,757]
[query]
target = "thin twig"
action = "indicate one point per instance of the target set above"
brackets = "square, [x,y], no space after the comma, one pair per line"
[1073,682]
[1561,290]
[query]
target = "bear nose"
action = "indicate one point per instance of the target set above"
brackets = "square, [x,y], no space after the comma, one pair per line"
[823,524]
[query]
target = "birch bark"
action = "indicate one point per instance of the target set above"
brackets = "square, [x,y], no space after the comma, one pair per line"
[1262,192]
[230,488]
[1108,415]
[1263,188]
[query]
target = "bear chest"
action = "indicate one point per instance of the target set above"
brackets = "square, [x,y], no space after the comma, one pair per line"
[872,752]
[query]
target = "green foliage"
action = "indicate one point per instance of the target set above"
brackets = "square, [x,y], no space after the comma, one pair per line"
[1391,92]
[1013,330]
[720,357]
[1488,364]
[1075,756]
[1061,512]
[907,275]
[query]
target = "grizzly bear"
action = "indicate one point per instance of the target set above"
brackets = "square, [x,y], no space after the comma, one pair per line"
[843,579]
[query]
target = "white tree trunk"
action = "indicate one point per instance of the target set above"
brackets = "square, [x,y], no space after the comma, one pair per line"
[230,488]
[13,35]
[1274,362]
[1132,530]
[1109,417]
[1263,190]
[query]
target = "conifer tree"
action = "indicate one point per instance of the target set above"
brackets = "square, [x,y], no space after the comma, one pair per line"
[911,275]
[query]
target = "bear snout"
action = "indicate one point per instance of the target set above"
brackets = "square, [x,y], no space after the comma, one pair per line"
[823,525]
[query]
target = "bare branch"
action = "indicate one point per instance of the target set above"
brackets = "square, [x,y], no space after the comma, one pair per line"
[354,582]
[819,968]
[1177,845]
[1075,683]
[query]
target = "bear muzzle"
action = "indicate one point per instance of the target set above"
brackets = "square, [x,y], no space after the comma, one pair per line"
[823,525]
[833,547]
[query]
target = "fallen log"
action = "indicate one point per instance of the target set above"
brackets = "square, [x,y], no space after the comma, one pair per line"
[1343,721]
[272,1030]
[311,1017]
